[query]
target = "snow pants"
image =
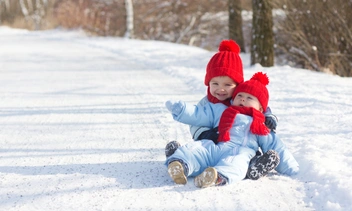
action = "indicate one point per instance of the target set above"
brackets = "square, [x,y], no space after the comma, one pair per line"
[231,161]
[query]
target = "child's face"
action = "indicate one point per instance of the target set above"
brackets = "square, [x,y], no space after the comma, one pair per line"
[247,100]
[222,87]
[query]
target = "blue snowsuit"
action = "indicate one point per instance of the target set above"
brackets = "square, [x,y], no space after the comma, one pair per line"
[197,130]
[231,158]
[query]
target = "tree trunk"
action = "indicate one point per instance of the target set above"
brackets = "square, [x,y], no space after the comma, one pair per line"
[30,6]
[24,9]
[235,23]
[262,44]
[129,19]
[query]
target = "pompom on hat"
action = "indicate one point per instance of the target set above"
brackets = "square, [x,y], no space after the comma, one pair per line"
[226,62]
[256,86]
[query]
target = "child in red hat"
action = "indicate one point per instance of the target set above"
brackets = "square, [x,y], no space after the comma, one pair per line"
[223,73]
[241,133]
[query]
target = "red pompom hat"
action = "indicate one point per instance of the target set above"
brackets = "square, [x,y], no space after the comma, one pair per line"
[256,86]
[226,62]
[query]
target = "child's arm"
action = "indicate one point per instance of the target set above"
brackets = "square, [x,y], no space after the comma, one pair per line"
[198,132]
[288,164]
[207,115]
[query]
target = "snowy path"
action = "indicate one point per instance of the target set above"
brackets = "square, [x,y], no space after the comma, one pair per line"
[79,124]
[83,127]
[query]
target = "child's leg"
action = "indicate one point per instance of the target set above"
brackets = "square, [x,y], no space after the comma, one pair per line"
[193,157]
[234,166]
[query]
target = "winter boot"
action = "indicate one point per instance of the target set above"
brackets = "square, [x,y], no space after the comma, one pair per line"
[176,172]
[171,147]
[207,178]
[222,180]
[261,165]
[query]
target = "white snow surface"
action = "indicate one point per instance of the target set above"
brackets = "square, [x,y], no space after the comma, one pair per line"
[83,126]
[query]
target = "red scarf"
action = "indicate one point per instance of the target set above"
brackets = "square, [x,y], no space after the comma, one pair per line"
[214,100]
[228,116]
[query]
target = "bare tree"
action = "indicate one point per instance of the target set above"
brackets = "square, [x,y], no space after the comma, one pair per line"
[262,45]
[1,8]
[316,35]
[195,22]
[33,12]
[9,11]
[235,23]
[129,19]
[24,8]
[30,5]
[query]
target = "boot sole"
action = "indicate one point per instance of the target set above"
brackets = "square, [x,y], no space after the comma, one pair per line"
[176,172]
[207,178]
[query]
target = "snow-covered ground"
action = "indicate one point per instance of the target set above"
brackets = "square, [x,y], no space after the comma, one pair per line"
[83,126]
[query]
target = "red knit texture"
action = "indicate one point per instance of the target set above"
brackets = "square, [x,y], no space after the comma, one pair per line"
[226,62]
[261,77]
[229,45]
[228,117]
[256,86]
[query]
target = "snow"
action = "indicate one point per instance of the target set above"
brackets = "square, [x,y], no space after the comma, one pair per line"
[84,126]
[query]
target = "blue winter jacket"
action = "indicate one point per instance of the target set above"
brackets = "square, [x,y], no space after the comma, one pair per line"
[197,130]
[208,115]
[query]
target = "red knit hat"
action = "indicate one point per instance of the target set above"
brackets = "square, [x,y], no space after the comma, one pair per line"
[226,62]
[256,86]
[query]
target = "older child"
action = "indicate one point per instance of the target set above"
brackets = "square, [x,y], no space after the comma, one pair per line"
[223,73]
[241,133]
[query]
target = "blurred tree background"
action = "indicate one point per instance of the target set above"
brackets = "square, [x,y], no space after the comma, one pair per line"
[312,34]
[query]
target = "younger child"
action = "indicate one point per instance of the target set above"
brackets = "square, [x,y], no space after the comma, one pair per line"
[223,73]
[241,133]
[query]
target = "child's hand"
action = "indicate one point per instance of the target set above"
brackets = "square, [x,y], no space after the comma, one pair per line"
[211,134]
[175,107]
[271,121]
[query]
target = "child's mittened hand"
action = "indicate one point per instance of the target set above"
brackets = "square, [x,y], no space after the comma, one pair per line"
[271,121]
[175,107]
